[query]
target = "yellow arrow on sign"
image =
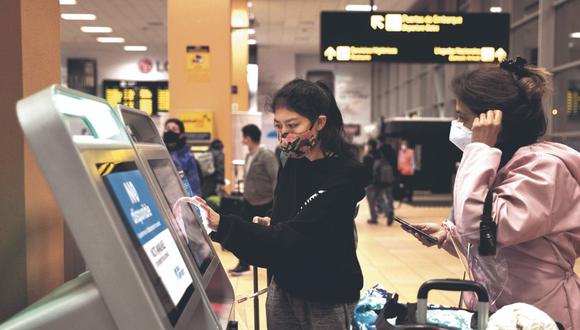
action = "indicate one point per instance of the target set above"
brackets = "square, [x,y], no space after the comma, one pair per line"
[330,53]
[500,54]
[377,22]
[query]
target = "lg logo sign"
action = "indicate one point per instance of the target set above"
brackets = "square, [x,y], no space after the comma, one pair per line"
[146,65]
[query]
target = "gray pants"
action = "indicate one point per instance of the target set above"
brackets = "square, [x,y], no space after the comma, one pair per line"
[283,311]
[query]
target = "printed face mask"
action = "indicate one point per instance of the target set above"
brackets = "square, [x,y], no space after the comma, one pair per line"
[296,145]
[459,135]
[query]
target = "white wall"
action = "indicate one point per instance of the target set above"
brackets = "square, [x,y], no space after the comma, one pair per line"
[352,87]
[118,64]
[276,67]
[352,81]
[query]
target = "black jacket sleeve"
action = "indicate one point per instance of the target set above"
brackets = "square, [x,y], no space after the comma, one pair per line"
[327,222]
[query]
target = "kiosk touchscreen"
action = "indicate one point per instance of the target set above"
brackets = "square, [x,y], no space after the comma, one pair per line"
[191,224]
[156,248]
[158,165]
[139,276]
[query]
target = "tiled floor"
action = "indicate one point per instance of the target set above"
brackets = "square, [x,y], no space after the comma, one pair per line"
[388,256]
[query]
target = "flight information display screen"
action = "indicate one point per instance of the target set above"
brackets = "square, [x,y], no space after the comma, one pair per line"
[573,99]
[414,37]
[190,228]
[151,97]
[157,250]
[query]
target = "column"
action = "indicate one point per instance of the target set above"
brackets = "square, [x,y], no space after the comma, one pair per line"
[31,230]
[240,55]
[198,24]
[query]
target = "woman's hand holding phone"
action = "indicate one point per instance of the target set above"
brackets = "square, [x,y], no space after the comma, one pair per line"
[433,229]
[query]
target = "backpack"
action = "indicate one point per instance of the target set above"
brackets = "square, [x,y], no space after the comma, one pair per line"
[206,164]
[383,173]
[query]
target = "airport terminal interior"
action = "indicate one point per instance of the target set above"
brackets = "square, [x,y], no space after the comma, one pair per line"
[153,178]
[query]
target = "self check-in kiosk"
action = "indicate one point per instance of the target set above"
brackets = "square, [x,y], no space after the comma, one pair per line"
[142,273]
[159,167]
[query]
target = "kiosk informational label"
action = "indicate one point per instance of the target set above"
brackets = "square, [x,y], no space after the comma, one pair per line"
[145,223]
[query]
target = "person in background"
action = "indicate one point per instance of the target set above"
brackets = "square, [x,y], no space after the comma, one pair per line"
[534,185]
[174,138]
[308,244]
[384,178]
[260,176]
[213,184]
[373,192]
[406,168]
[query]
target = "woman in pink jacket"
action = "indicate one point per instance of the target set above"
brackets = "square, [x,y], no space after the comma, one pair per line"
[535,187]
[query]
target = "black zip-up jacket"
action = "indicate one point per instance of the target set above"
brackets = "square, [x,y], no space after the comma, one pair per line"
[309,247]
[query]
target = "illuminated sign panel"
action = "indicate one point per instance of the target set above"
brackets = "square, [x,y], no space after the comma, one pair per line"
[151,97]
[573,99]
[413,38]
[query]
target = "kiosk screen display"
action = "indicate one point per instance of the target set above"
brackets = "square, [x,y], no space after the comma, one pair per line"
[190,230]
[157,249]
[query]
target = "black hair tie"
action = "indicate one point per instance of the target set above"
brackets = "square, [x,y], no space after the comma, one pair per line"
[518,66]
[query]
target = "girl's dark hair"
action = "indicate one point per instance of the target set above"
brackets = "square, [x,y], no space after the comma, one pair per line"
[312,100]
[517,93]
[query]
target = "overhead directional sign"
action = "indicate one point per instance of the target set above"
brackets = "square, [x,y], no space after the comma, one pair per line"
[413,37]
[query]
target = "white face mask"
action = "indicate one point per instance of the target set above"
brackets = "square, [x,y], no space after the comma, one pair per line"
[459,135]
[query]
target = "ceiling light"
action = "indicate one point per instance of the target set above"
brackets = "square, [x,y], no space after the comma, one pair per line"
[554,112]
[67,2]
[575,35]
[78,17]
[96,29]
[113,40]
[495,9]
[251,41]
[359,7]
[135,48]
[250,4]
[251,31]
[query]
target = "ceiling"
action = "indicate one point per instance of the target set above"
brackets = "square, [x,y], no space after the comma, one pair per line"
[279,23]
[140,22]
[296,23]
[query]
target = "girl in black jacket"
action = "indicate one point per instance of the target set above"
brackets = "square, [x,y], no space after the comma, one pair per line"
[309,244]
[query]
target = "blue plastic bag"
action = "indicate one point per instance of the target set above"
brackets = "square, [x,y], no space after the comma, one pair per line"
[368,307]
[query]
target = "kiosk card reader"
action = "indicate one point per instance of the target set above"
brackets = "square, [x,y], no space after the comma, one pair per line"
[142,273]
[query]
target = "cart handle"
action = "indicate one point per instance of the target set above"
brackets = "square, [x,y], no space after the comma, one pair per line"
[453,285]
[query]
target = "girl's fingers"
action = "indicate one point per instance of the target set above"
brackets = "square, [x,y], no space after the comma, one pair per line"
[200,200]
[205,207]
[498,117]
[483,118]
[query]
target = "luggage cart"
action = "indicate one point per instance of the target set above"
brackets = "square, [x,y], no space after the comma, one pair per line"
[445,285]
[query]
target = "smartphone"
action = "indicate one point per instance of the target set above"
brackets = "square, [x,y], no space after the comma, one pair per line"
[421,233]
